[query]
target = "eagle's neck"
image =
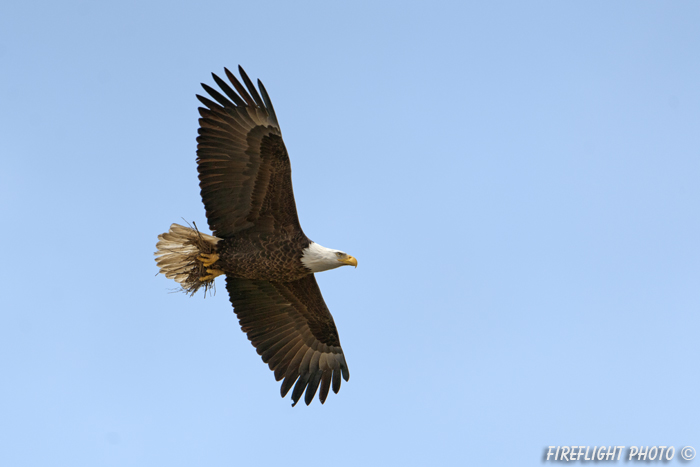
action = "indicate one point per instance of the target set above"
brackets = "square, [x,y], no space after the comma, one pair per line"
[318,258]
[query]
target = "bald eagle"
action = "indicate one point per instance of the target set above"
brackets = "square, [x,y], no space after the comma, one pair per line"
[245,179]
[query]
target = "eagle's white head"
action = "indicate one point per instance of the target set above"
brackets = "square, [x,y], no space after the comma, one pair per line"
[319,258]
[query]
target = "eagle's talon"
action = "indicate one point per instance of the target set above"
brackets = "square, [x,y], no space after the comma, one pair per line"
[208,259]
[212,274]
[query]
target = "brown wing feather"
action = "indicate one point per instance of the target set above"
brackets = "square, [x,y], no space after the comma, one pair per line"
[244,172]
[292,329]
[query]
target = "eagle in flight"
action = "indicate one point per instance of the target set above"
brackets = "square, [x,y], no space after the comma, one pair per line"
[246,185]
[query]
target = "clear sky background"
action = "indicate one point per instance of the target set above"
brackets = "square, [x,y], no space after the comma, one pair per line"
[518,180]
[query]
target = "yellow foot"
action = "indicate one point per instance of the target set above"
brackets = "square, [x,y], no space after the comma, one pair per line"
[208,259]
[212,274]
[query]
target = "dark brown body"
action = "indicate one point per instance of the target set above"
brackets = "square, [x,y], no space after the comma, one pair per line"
[263,257]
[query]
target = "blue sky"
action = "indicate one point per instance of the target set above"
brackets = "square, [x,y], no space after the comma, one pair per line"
[518,180]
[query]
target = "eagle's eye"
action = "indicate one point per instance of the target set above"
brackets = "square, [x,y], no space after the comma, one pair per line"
[339,253]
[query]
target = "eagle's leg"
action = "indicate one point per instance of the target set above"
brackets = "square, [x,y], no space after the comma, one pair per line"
[208,259]
[212,273]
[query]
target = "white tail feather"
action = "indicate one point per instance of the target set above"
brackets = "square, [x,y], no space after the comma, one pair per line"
[177,254]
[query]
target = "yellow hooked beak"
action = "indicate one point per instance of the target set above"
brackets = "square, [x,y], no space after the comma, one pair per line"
[350,260]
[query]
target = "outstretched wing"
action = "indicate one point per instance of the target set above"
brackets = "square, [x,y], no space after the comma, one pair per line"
[244,171]
[292,329]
